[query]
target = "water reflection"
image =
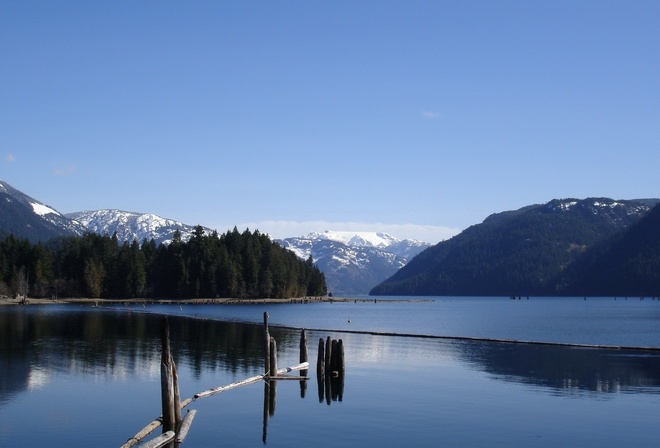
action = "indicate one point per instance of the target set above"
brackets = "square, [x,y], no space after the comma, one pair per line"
[35,344]
[567,370]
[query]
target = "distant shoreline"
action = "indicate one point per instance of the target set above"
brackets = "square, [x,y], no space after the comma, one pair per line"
[200,301]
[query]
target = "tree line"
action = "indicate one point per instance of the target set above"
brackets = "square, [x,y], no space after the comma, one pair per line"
[234,264]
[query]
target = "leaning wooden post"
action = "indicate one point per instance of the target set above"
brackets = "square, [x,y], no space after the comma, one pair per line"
[267,345]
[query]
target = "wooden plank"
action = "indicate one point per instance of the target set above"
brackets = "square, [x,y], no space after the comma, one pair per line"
[160,441]
[230,386]
[185,425]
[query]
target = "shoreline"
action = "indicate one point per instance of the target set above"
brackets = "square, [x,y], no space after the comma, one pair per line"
[8,301]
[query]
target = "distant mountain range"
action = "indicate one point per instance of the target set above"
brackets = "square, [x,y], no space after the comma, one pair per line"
[594,246]
[352,262]
[131,226]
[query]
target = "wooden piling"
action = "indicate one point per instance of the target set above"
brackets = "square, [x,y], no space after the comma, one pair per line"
[320,360]
[303,346]
[169,383]
[273,356]
[328,356]
[267,345]
[304,357]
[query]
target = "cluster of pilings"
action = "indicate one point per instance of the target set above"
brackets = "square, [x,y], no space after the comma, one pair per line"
[330,376]
[330,369]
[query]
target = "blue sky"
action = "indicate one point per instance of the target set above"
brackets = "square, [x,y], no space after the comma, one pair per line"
[419,118]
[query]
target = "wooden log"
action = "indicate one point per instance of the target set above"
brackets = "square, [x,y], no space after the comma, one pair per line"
[185,426]
[151,427]
[253,379]
[301,366]
[143,433]
[160,441]
[209,392]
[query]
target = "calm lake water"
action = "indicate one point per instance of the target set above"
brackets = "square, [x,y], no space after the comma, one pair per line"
[78,376]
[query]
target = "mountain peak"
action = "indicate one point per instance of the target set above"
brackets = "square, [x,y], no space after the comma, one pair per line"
[131,226]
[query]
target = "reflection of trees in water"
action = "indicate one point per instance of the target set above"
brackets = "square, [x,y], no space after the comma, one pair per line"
[566,369]
[90,340]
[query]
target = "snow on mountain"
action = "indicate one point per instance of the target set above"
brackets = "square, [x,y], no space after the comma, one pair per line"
[131,225]
[353,262]
[26,217]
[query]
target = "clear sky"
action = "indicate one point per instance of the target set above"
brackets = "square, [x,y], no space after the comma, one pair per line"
[419,118]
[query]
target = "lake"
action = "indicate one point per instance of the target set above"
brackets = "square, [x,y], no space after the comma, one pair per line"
[83,376]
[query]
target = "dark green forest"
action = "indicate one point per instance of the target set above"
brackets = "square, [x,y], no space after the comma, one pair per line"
[234,264]
[542,250]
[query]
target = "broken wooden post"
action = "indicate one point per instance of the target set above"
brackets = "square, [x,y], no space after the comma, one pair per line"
[267,344]
[169,382]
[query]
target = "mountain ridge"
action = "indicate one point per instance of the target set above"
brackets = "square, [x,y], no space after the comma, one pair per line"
[354,261]
[515,252]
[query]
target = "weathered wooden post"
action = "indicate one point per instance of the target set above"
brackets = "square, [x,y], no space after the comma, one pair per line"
[267,344]
[320,360]
[169,383]
[320,369]
[304,357]
[273,357]
[328,357]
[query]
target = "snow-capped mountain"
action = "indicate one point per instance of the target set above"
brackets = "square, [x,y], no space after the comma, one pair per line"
[353,262]
[130,225]
[25,217]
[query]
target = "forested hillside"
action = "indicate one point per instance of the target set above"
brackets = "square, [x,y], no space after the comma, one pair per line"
[627,264]
[519,252]
[241,265]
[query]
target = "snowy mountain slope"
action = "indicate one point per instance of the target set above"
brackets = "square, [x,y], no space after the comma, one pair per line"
[131,225]
[25,217]
[353,262]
